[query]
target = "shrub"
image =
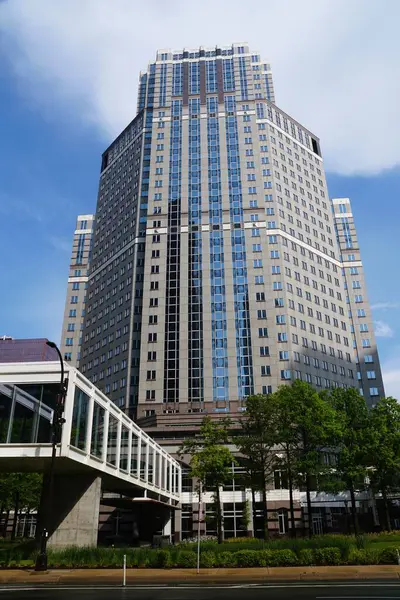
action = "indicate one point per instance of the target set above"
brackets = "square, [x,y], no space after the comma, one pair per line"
[265,558]
[283,558]
[207,560]
[139,557]
[226,560]
[373,556]
[343,542]
[247,558]
[306,557]
[327,556]
[388,556]
[161,559]
[361,557]
[187,559]
[28,563]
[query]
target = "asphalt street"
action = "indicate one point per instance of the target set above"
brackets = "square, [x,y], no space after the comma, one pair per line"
[314,591]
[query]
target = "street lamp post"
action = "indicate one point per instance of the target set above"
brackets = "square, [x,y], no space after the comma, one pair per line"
[56,426]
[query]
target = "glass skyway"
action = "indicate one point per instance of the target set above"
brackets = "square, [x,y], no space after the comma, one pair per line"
[96,435]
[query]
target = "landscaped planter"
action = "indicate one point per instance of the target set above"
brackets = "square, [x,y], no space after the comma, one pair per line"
[320,551]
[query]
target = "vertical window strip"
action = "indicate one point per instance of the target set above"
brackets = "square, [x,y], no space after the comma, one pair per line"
[80,250]
[194,78]
[211,76]
[150,89]
[195,301]
[243,78]
[172,300]
[163,85]
[177,79]
[244,359]
[217,267]
[229,77]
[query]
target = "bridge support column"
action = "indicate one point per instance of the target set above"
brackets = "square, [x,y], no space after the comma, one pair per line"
[167,529]
[178,525]
[74,518]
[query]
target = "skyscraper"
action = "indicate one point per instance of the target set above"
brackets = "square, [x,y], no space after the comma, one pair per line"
[74,311]
[363,337]
[216,270]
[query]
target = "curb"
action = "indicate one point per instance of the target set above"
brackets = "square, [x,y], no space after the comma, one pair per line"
[178,576]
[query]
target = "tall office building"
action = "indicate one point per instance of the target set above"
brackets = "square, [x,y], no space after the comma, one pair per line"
[363,337]
[216,270]
[74,311]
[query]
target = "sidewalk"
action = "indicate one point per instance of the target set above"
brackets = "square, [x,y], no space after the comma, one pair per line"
[103,577]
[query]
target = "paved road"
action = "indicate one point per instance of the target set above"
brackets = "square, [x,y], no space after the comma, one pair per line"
[314,591]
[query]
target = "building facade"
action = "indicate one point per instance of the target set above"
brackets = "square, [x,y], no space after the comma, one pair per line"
[363,337]
[220,266]
[74,311]
[217,271]
[25,350]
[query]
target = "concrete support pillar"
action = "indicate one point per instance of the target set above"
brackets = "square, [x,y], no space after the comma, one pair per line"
[73,520]
[178,525]
[167,529]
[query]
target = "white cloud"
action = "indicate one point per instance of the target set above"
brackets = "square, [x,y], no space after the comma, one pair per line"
[385,305]
[333,61]
[382,329]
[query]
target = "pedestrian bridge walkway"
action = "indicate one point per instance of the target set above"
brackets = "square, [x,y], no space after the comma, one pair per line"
[97,436]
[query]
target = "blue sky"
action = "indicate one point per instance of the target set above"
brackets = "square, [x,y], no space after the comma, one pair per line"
[68,80]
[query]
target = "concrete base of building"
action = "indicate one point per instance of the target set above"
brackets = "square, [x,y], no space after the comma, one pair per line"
[74,517]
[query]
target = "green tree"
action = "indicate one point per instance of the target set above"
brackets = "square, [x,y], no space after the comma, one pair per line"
[289,450]
[351,444]
[6,500]
[211,461]
[257,444]
[384,450]
[306,426]
[19,492]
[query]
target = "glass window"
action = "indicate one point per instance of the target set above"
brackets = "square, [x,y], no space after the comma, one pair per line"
[123,459]
[97,431]
[281,480]
[79,419]
[5,411]
[112,440]
[151,465]
[134,455]
[23,422]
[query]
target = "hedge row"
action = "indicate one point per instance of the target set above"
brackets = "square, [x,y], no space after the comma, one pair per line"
[277,558]
[174,558]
